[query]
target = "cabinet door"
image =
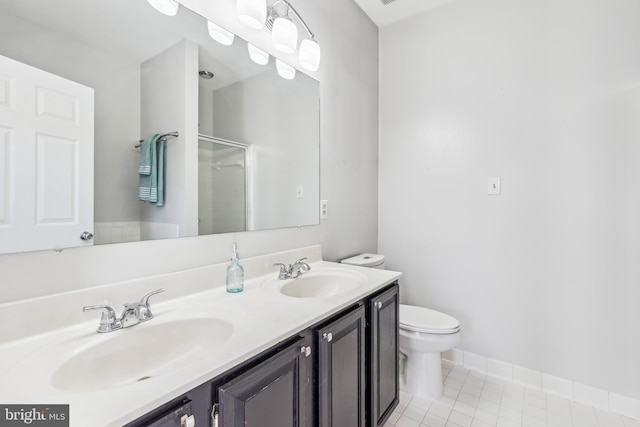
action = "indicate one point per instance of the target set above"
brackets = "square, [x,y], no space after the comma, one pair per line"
[272,394]
[341,371]
[383,354]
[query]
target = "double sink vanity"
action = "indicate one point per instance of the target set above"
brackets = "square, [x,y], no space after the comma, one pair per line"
[316,350]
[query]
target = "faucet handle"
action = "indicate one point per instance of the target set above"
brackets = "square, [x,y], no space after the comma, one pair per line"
[108,320]
[284,270]
[143,309]
[304,265]
[145,299]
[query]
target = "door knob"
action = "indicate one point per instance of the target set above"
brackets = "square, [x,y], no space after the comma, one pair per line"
[86,235]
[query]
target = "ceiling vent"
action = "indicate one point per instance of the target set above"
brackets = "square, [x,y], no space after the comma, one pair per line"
[387,2]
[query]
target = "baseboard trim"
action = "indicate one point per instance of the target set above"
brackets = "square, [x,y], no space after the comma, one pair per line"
[582,393]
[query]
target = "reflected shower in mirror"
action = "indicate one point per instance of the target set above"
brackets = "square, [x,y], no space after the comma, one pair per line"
[144,69]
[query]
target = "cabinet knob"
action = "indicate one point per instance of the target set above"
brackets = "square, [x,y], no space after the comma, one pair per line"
[328,336]
[187,421]
[306,350]
[378,304]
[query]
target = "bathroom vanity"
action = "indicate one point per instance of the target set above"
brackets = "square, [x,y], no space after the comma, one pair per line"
[318,350]
[339,372]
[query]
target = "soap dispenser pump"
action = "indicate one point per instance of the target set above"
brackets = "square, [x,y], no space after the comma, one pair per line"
[235,273]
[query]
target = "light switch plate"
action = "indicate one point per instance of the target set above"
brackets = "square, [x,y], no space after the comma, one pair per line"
[493,186]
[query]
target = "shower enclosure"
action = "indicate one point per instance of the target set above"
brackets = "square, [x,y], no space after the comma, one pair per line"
[222,186]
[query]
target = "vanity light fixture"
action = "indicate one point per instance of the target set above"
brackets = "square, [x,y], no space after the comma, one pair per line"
[309,56]
[258,55]
[285,70]
[167,7]
[219,34]
[284,32]
[252,13]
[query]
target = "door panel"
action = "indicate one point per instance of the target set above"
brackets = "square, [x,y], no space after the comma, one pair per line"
[341,371]
[269,394]
[46,159]
[383,335]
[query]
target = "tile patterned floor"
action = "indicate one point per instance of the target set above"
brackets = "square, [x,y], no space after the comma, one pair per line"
[472,399]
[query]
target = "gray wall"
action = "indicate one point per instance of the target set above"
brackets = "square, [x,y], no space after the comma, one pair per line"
[116,81]
[278,118]
[348,79]
[546,95]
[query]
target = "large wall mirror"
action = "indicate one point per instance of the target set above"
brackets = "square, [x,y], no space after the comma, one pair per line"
[246,154]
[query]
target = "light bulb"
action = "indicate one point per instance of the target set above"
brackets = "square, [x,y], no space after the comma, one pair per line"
[252,13]
[257,55]
[284,35]
[309,55]
[167,7]
[285,70]
[219,34]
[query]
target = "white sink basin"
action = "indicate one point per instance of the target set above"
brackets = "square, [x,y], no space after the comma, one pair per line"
[141,352]
[322,283]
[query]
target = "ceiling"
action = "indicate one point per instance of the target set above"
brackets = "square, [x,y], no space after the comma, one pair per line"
[396,10]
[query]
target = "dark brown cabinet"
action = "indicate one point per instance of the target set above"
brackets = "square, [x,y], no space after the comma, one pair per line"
[383,390]
[341,370]
[275,392]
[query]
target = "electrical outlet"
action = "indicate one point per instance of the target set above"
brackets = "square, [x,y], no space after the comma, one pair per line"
[324,209]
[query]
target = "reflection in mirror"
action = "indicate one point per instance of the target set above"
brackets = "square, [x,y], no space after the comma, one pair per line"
[143,70]
[222,201]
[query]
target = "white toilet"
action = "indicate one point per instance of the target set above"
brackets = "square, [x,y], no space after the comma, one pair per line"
[424,334]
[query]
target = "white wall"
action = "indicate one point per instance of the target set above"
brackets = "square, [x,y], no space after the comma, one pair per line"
[349,114]
[169,89]
[546,95]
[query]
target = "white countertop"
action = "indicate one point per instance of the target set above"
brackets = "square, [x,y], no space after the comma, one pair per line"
[31,352]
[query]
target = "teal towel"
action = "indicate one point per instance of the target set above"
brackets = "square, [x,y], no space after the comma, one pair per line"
[151,170]
[160,174]
[145,154]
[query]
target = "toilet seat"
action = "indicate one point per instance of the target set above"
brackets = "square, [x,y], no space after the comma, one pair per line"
[424,320]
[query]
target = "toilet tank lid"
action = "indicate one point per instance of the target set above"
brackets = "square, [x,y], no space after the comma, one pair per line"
[365,260]
[421,319]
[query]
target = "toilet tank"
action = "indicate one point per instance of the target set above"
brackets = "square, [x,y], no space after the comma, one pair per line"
[366,260]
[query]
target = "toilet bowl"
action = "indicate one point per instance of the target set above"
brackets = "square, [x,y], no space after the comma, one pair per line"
[424,334]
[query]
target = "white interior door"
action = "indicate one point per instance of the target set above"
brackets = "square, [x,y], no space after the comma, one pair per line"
[46,159]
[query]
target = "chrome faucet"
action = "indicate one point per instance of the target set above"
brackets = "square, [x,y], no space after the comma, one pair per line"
[293,270]
[132,314]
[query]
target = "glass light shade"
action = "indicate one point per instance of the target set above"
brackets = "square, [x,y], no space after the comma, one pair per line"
[309,55]
[167,7]
[257,55]
[284,35]
[285,70]
[219,34]
[252,13]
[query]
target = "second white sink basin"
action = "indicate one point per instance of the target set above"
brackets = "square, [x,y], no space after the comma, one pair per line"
[320,283]
[141,352]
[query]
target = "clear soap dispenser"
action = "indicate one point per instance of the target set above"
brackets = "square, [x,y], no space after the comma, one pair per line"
[235,273]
